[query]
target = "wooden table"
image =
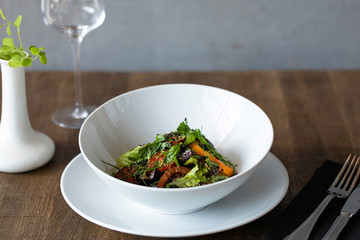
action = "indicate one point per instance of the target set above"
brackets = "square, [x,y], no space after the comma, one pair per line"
[315,114]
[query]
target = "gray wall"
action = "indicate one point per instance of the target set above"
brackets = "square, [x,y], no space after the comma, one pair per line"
[152,35]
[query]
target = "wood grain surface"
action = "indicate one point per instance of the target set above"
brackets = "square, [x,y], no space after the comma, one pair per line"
[315,114]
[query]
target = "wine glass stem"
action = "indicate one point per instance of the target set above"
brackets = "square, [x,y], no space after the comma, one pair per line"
[79,112]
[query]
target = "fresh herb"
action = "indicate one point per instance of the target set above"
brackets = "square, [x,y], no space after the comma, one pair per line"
[183,128]
[172,154]
[151,148]
[192,135]
[17,55]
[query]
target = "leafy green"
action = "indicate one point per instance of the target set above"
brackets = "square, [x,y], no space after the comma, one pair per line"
[17,55]
[151,148]
[200,174]
[159,138]
[143,151]
[190,137]
[172,154]
[192,179]
[129,157]
[192,160]
[183,128]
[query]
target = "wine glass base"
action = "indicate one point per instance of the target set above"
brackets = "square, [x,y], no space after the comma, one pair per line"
[71,117]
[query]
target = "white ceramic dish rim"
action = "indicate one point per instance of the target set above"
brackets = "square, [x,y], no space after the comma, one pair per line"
[174,189]
[113,226]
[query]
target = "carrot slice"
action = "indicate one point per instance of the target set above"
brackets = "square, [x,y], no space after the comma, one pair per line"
[228,171]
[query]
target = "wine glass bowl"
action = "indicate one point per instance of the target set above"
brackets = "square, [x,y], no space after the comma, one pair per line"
[75,19]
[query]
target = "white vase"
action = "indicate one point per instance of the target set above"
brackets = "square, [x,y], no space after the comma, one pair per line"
[21,148]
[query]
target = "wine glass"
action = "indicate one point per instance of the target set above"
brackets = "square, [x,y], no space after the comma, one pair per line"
[75,19]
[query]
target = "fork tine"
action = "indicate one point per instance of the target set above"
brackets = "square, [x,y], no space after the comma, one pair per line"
[340,174]
[353,167]
[347,173]
[356,176]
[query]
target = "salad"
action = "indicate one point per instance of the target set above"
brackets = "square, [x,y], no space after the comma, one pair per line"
[182,158]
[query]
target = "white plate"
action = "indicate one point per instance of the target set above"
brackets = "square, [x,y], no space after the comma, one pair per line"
[91,199]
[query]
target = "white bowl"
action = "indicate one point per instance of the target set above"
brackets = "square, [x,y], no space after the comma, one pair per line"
[238,128]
